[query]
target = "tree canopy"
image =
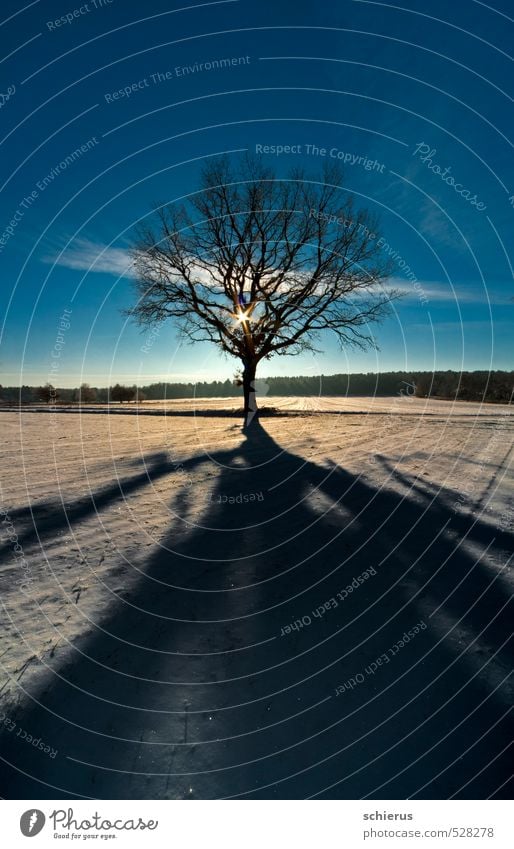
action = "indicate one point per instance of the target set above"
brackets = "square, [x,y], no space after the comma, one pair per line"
[260,266]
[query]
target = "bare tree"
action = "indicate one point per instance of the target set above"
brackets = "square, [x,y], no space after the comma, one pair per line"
[85,394]
[260,265]
[46,393]
[121,393]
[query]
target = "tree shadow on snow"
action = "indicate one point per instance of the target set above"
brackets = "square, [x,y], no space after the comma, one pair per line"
[267,654]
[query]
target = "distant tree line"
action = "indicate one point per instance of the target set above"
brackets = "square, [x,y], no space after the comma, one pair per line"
[494,386]
[85,394]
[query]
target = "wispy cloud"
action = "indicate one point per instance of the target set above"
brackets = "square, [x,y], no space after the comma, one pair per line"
[93,257]
[469,325]
[457,292]
[436,227]
[85,255]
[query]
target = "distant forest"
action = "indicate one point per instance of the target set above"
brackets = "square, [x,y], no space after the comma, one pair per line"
[494,386]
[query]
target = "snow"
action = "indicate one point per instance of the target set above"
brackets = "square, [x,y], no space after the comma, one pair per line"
[145,596]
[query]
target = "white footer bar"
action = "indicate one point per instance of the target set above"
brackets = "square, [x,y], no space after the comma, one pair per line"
[258,824]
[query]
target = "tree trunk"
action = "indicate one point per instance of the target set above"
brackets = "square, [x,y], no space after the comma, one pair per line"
[250,402]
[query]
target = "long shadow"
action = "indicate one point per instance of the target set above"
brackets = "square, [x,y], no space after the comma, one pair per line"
[322,638]
[47,519]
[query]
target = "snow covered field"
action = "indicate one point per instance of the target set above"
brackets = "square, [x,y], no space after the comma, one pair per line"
[318,608]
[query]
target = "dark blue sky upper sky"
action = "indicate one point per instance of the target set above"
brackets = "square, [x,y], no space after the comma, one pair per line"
[424,94]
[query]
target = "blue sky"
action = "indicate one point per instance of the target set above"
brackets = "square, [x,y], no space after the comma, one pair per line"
[425,95]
